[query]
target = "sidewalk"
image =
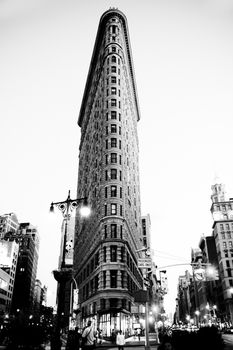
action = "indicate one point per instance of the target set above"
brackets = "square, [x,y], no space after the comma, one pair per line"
[129,343]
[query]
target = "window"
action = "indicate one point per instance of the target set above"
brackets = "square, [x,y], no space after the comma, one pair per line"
[221,227]
[113,48]
[113,279]
[113,69]
[113,209]
[104,279]
[113,191]
[113,80]
[120,144]
[113,174]
[228,235]
[120,175]
[113,230]
[122,254]
[106,159]
[106,130]
[105,254]
[102,303]
[105,210]
[113,253]
[106,192]
[113,59]
[113,142]
[113,90]
[119,130]
[121,210]
[113,115]
[105,231]
[223,236]
[230,244]
[224,245]
[113,128]
[113,158]
[113,102]
[120,192]
[121,232]
[106,144]
[106,175]
[106,116]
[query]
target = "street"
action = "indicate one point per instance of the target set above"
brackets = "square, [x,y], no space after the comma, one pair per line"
[228,339]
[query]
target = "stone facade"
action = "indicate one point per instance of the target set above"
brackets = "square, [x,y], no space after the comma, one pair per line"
[106,244]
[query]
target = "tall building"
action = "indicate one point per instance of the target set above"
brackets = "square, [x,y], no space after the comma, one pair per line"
[23,294]
[106,244]
[8,262]
[222,212]
[8,223]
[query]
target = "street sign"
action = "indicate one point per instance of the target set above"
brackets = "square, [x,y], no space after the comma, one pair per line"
[144,263]
[141,296]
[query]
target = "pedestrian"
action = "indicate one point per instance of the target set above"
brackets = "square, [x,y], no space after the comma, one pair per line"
[113,336]
[139,333]
[73,340]
[166,344]
[88,338]
[120,340]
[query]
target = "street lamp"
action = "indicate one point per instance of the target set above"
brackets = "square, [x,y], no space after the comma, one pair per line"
[65,273]
[197,313]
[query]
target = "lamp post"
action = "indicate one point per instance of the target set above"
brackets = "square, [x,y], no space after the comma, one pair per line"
[65,272]
[197,313]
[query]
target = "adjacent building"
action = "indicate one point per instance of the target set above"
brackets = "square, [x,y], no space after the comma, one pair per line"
[106,244]
[8,223]
[222,212]
[23,294]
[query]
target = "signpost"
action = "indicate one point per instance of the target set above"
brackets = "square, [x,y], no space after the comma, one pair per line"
[144,263]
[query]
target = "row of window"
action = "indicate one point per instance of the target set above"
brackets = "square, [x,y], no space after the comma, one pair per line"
[113,254]
[94,263]
[113,103]
[226,227]
[112,143]
[113,191]
[113,115]
[113,91]
[228,235]
[113,80]
[113,59]
[125,281]
[113,209]
[112,129]
[115,232]
[113,174]
[229,245]
[113,69]
[113,158]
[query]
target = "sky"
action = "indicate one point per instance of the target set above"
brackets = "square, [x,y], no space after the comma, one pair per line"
[183,59]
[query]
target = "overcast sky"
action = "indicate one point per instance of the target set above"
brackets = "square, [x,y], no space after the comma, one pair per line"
[183,58]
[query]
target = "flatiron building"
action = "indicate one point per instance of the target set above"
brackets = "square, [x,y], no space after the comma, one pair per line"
[106,243]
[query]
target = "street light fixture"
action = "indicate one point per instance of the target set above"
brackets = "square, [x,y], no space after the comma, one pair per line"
[65,273]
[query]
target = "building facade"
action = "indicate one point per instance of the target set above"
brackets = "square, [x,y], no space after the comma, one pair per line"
[106,244]
[23,294]
[8,223]
[222,212]
[9,257]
